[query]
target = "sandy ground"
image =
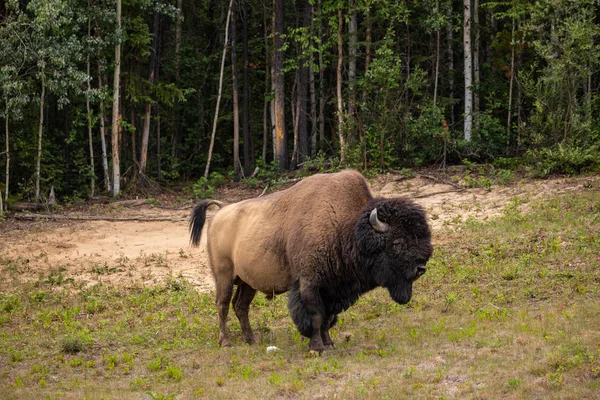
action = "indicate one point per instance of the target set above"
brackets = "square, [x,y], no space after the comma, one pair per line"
[142,252]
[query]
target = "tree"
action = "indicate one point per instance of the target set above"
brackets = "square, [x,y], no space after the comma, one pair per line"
[468,68]
[236,107]
[279,83]
[214,127]
[153,65]
[52,47]
[340,109]
[246,89]
[116,117]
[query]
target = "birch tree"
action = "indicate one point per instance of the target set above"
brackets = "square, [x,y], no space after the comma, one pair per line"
[468,69]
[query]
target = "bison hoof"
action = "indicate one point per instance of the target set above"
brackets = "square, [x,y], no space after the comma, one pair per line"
[314,353]
[224,342]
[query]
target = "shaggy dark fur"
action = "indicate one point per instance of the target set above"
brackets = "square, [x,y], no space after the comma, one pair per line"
[364,259]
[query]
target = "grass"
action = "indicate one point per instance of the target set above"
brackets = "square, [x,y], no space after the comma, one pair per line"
[508,309]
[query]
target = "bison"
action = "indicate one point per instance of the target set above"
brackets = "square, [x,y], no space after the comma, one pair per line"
[326,240]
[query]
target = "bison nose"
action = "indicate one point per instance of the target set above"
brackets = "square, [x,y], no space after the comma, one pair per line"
[420,271]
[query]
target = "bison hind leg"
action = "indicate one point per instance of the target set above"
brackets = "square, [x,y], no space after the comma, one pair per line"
[300,315]
[241,305]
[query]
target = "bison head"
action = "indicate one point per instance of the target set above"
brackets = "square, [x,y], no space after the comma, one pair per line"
[394,243]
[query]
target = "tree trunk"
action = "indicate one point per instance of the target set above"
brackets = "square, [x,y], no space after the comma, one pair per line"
[280,133]
[437,66]
[236,108]
[39,149]
[151,75]
[89,115]
[214,127]
[7,159]
[468,68]
[295,114]
[450,55]
[245,94]
[267,88]
[364,93]
[352,53]
[116,118]
[134,157]
[175,134]
[158,146]
[311,79]
[102,136]
[302,90]
[477,30]
[510,87]
[340,110]
[322,97]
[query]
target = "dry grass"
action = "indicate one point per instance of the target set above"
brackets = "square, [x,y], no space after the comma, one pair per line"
[508,309]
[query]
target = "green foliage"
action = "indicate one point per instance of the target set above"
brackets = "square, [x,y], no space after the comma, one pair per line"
[396,124]
[204,189]
[563,159]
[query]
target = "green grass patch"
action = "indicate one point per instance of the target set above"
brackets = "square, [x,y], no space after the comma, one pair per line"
[507,309]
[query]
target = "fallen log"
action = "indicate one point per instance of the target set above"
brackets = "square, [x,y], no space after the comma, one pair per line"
[24,206]
[56,217]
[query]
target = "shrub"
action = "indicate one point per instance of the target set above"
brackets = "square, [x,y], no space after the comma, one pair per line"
[563,159]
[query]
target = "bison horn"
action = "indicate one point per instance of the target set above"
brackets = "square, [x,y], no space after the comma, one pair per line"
[379,226]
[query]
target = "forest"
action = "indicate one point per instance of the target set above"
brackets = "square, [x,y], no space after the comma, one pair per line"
[118,96]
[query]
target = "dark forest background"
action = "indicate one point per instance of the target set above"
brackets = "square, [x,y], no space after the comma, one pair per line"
[368,84]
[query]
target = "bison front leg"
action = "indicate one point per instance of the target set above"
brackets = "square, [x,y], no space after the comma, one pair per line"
[308,313]
[329,323]
[241,305]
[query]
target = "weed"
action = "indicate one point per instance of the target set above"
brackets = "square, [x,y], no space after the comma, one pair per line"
[16,355]
[160,396]
[72,345]
[155,365]
[174,373]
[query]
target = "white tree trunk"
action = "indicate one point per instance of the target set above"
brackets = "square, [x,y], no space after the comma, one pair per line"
[214,127]
[103,136]
[468,69]
[115,110]
[39,149]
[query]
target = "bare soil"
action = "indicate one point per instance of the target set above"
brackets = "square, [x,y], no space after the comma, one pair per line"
[149,252]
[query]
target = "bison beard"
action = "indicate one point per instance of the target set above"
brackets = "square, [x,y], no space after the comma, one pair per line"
[326,240]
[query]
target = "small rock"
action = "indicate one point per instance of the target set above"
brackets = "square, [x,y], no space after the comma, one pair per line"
[271,349]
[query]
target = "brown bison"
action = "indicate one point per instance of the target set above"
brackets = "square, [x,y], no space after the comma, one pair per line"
[326,240]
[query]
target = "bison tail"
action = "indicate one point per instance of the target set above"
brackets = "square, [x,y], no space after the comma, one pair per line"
[198,219]
[298,312]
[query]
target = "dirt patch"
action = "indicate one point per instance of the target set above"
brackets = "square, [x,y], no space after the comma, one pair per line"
[134,252]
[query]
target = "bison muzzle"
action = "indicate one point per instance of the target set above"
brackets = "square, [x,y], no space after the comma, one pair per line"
[326,240]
